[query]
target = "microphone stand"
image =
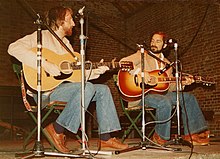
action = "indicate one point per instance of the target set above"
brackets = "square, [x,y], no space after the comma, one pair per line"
[82,53]
[38,148]
[82,38]
[145,144]
[143,95]
[178,140]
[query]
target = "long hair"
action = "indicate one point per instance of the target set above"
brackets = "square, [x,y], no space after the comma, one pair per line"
[56,16]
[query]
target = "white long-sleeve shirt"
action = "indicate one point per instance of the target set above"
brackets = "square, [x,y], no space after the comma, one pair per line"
[21,49]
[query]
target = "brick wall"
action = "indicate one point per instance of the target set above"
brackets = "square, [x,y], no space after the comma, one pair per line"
[112,36]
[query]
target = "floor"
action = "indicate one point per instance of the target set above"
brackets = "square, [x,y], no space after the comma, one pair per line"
[13,149]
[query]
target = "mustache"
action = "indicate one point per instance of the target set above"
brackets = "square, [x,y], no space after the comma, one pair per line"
[153,46]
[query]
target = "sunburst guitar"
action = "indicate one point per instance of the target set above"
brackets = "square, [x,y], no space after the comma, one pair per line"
[130,86]
[69,67]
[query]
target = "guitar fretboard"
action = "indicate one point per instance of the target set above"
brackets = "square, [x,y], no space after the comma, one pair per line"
[111,65]
[164,79]
[95,65]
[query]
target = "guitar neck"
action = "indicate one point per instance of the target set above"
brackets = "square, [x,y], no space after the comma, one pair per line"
[169,79]
[95,65]
[197,79]
[111,65]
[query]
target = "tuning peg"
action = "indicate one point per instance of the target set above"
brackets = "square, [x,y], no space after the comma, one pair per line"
[125,69]
[207,84]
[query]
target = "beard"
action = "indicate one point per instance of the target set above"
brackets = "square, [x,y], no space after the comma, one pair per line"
[69,32]
[155,50]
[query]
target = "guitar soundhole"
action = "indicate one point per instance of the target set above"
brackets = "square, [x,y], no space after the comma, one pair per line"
[65,67]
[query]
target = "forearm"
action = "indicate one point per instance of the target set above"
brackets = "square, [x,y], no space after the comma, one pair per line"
[25,56]
[135,58]
[22,50]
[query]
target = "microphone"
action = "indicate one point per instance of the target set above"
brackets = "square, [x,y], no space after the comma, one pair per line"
[139,45]
[143,45]
[165,68]
[80,12]
[171,41]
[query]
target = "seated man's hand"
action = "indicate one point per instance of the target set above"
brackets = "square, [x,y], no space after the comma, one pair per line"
[51,68]
[97,72]
[188,80]
[147,78]
[100,70]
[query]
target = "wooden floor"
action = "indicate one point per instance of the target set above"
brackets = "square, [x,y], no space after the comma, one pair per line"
[11,148]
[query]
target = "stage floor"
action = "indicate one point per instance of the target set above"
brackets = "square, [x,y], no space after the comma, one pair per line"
[8,149]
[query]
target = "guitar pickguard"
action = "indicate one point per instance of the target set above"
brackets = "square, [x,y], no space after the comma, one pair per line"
[63,76]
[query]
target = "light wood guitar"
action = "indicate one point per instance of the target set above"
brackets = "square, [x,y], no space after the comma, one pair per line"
[130,85]
[70,70]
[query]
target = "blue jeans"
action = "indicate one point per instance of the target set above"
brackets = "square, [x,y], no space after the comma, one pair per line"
[105,108]
[164,105]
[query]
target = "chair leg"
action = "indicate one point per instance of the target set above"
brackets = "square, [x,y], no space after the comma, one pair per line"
[31,133]
[133,124]
[35,129]
[27,139]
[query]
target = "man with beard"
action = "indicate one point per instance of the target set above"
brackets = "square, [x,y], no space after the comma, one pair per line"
[164,101]
[60,20]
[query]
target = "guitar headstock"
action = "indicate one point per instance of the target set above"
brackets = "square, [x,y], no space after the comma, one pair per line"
[206,81]
[126,65]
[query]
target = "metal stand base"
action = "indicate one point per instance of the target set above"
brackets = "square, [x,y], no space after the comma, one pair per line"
[34,154]
[147,145]
[38,152]
[178,141]
[99,152]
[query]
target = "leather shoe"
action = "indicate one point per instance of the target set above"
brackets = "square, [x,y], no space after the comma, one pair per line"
[113,143]
[157,139]
[200,139]
[204,134]
[57,139]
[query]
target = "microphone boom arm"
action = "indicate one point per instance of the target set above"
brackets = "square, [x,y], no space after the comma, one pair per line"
[167,66]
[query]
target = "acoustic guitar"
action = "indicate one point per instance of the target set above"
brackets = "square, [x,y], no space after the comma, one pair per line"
[130,86]
[69,67]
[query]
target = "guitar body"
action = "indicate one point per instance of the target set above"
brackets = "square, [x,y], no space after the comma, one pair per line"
[131,87]
[49,82]
[69,67]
